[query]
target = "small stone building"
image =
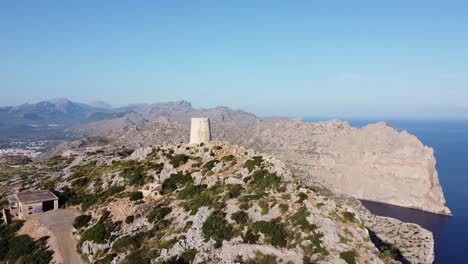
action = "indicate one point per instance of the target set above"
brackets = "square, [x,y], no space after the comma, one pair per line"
[24,204]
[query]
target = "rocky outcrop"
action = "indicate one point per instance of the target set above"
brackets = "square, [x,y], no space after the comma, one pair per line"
[225,204]
[375,163]
[222,187]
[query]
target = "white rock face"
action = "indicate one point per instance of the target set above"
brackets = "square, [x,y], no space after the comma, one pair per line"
[379,164]
[200,131]
[375,163]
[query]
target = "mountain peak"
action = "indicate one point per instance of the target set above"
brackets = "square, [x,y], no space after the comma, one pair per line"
[59,101]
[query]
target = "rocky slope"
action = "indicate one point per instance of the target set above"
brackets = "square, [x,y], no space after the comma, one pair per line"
[375,163]
[218,203]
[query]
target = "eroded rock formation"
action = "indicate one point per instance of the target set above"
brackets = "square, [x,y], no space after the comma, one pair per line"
[375,163]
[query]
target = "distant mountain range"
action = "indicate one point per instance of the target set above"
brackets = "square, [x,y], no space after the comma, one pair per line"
[80,119]
[60,111]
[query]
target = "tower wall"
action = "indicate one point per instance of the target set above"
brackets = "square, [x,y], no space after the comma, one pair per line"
[200,131]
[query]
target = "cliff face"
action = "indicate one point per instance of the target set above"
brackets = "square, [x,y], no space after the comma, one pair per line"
[375,163]
[378,163]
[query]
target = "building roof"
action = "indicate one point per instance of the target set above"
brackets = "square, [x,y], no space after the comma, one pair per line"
[35,196]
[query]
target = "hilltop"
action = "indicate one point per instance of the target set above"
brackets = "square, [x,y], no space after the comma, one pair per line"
[375,163]
[215,203]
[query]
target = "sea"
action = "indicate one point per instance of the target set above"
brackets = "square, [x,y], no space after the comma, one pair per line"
[449,139]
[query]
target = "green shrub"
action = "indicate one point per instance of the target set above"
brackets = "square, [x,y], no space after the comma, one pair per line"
[127,243]
[300,219]
[262,180]
[97,233]
[174,181]
[273,231]
[188,256]
[8,231]
[302,197]
[283,208]
[263,259]
[178,160]
[88,201]
[199,201]
[134,175]
[129,219]
[69,197]
[217,228]
[40,256]
[81,221]
[158,167]
[3,248]
[349,256]
[80,182]
[158,214]
[315,247]
[254,162]
[200,196]
[111,191]
[349,217]
[92,199]
[20,246]
[190,191]
[168,244]
[24,250]
[228,158]
[319,205]
[210,164]
[90,170]
[250,237]
[240,217]
[136,257]
[135,196]
[264,206]
[234,190]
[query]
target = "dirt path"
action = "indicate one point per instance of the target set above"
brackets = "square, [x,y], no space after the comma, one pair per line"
[59,223]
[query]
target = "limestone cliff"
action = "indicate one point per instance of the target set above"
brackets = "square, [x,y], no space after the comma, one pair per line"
[375,163]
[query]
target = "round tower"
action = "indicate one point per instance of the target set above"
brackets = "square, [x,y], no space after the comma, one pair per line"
[200,131]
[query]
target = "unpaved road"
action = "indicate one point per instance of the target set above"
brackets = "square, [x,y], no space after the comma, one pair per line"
[60,223]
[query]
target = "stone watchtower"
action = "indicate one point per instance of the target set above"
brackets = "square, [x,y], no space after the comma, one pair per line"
[200,131]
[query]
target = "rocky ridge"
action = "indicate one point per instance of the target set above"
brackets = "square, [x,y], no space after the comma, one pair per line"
[217,203]
[375,163]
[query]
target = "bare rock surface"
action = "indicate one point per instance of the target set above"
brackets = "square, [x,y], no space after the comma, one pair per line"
[375,163]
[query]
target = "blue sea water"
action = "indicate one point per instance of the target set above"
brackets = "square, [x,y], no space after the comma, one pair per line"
[449,138]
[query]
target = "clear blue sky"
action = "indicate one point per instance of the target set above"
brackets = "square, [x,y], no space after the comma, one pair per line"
[301,58]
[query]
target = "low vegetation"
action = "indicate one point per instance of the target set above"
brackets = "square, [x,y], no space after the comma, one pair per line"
[81,221]
[135,196]
[225,205]
[217,228]
[22,248]
[349,256]
[273,230]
